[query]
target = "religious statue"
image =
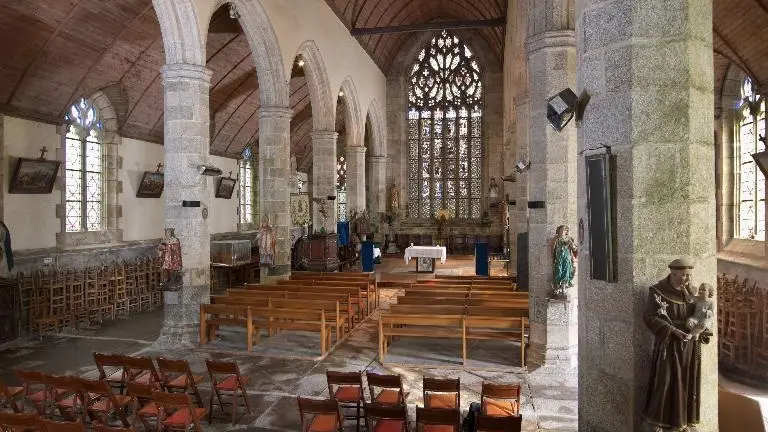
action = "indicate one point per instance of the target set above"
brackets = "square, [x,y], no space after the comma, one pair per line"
[394,198]
[170,259]
[564,253]
[493,192]
[267,242]
[673,398]
[703,311]
[322,209]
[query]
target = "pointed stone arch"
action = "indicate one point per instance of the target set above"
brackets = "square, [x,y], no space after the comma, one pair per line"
[378,124]
[353,115]
[323,113]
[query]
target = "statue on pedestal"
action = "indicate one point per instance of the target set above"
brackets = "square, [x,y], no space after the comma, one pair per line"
[394,198]
[267,242]
[564,253]
[680,323]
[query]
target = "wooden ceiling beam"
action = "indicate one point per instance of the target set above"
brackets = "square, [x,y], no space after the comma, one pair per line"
[448,25]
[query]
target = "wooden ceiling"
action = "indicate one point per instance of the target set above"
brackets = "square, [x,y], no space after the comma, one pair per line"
[54,51]
[368,14]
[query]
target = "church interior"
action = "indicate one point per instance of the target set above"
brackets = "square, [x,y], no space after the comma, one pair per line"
[392,215]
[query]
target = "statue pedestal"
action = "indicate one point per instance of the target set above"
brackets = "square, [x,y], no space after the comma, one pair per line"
[554,336]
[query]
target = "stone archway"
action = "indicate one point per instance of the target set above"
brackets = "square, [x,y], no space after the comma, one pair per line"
[182,40]
[323,114]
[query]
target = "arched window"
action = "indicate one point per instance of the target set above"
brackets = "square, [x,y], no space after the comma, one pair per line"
[341,188]
[84,162]
[750,183]
[245,195]
[445,130]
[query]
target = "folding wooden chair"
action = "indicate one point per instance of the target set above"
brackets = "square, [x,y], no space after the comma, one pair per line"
[177,376]
[61,426]
[391,389]
[442,393]
[99,427]
[102,402]
[389,418]
[325,415]
[144,408]
[11,397]
[347,389]
[487,423]
[141,370]
[35,389]
[27,422]
[500,400]
[65,395]
[438,420]
[111,369]
[226,380]
[176,412]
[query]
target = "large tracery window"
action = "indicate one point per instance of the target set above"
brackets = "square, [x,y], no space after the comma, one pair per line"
[83,161]
[750,182]
[341,188]
[445,130]
[246,192]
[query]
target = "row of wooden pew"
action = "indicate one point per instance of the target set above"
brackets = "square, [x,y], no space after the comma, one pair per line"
[463,309]
[324,305]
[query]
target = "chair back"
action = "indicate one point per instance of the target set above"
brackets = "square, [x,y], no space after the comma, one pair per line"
[318,406]
[500,391]
[6,396]
[216,368]
[388,382]
[344,378]
[20,421]
[61,426]
[172,366]
[169,403]
[445,387]
[135,366]
[376,412]
[499,424]
[438,417]
[112,361]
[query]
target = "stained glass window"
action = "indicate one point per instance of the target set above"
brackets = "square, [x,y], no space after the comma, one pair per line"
[750,182]
[246,191]
[83,162]
[341,188]
[445,130]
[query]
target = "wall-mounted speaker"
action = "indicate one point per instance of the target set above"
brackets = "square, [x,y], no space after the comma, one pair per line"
[601,209]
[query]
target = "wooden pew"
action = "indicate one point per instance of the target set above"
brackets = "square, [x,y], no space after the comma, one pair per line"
[403,309]
[227,315]
[488,287]
[353,292]
[365,288]
[334,276]
[449,301]
[497,328]
[295,318]
[431,326]
[345,300]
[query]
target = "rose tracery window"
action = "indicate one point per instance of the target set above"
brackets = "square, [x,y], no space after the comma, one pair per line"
[341,188]
[445,130]
[750,182]
[83,161]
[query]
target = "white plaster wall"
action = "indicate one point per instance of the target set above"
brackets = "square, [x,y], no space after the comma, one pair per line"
[222,213]
[30,218]
[143,218]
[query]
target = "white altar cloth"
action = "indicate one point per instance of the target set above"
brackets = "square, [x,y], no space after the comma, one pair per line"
[425,251]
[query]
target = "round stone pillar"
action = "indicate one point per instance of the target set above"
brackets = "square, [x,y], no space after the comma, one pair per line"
[647,67]
[355,178]
[186,145]
[274,193]
[551,58]
[324,178]
[378,187]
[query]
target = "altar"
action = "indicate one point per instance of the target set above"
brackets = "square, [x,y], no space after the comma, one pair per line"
[425,256]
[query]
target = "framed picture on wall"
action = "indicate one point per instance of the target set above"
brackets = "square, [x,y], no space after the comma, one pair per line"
[225,187]
[151,185]
[34,176]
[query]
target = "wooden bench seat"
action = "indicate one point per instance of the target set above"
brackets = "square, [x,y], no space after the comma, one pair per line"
[366,289]
[497,328]
[345,302]
[212,316]
[354,293]
[437,326]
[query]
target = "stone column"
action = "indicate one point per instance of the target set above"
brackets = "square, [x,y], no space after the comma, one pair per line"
[324,177]
[186,146]
[378,189]
[355,178]
[647,67]
[551,180]
[274,193]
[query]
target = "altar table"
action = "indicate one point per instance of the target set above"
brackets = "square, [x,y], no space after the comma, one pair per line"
[425,256]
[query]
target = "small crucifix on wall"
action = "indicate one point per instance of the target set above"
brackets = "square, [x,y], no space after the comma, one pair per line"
[43,151]
[159,167]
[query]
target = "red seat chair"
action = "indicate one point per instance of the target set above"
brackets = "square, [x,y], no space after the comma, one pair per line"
[442,393]
[347,389]
[386,389]
[325,415]
[386,418]
[226,380]
[177,413]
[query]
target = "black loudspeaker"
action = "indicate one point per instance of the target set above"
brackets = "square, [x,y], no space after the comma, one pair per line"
[601,209]
[522,261]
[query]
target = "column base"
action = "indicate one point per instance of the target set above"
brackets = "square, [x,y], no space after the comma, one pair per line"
[178,336]
[181,324]
[553,334]
[270,275]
